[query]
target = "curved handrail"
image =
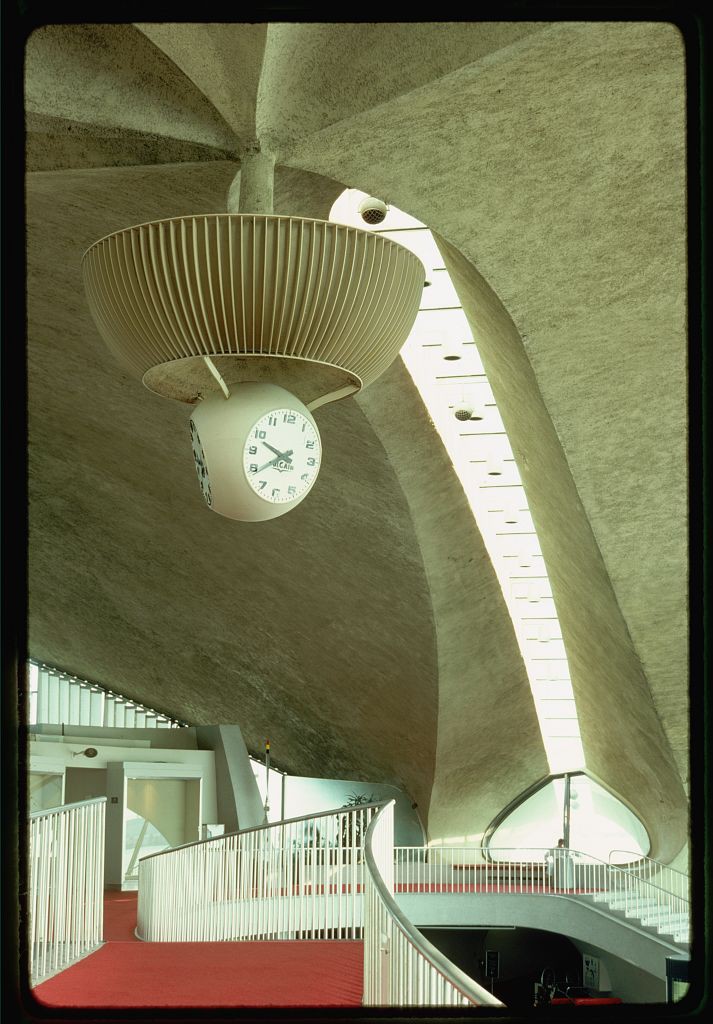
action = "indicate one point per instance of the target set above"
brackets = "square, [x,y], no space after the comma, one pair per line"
[464,984]
[575,856]
[259,828]
[66,807]
[572,873]
[270,881]
[640,858]
[565,851]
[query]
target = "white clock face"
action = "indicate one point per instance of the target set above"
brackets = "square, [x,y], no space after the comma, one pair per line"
[282,456]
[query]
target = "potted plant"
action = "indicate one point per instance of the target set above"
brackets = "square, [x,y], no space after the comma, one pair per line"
[352,827]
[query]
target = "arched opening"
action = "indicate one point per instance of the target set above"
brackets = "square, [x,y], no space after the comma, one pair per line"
[572,807]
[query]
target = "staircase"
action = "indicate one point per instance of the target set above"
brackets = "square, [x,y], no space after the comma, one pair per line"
[655,914]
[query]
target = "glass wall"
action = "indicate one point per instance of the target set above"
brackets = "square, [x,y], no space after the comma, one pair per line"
[599,824]
[159,813]
[46,790]
[140,839]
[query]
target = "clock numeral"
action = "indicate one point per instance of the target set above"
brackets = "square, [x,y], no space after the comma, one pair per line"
[292,491]
[275,491]
[272,421]
[259,434]
[311,461]
[304,426]
[253,467]
[263,485]
[289,417]
[305,476]
[309,444]
[252,450]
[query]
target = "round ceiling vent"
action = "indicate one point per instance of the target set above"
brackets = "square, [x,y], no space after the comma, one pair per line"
[318,308]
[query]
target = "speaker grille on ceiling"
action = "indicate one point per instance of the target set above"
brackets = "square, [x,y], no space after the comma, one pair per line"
[373,216]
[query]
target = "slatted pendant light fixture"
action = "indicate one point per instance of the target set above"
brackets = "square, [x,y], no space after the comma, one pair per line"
[271,315]
[313,306]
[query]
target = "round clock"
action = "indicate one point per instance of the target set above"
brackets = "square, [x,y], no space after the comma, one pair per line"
[257,453]
[282,455]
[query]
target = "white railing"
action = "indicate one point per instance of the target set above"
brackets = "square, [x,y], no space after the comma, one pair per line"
[66,895]
[664,877]
[469,869]
[631,892]
[301,878]
[401,968]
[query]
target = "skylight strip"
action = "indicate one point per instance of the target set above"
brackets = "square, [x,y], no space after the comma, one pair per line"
[442,358]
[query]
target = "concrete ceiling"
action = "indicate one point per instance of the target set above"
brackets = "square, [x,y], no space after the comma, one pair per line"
[364,632]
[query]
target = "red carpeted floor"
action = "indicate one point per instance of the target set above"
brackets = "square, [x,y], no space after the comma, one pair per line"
[129,973]
[120,916]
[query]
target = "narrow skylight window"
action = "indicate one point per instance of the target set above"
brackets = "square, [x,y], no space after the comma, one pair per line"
[442,357]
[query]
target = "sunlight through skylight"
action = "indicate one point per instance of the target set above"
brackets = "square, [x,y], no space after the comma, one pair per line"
[442,357]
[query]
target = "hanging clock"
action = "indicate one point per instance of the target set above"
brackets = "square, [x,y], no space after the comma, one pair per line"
[257,453]
[282,455]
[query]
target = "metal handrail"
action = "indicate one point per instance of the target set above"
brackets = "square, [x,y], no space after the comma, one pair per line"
[652,885]
[564,852]
[640,858]
[66,884]
[266,882]
[574,874]
[66,807]
[464,984]
[259,828]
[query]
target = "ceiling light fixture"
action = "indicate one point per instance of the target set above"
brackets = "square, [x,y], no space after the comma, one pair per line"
[264,319]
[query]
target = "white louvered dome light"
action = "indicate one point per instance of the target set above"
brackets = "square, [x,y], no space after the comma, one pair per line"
[256,320]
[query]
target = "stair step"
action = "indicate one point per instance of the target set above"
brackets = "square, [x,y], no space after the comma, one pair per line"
[671,922]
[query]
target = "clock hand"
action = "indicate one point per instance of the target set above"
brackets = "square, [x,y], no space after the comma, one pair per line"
[281,456]
[271,463]
[273,450]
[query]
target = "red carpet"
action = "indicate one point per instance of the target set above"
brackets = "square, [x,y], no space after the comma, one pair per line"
[128,973]
[211,974]
[120,916]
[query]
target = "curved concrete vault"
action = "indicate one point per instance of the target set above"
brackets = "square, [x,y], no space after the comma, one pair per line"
[365,632]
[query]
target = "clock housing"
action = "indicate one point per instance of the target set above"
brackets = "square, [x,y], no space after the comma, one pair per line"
[257,453]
